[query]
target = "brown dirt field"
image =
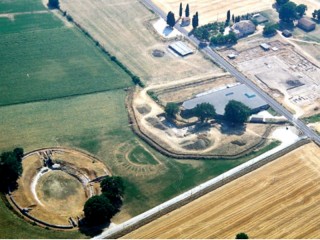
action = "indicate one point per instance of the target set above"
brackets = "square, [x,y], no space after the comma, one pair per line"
[279,200]
[123,28]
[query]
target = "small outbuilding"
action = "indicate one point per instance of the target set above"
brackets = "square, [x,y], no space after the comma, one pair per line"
[287,33]
[232,56]
[306,24]
[185,21]
[243,28]
[265,46]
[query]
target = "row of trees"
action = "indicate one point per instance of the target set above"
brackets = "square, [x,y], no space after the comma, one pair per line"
[10,168]
[235,112]
[221,39]
[100,209]
[171,20]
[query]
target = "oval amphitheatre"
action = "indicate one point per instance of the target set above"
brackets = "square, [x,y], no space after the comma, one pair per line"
[55,184]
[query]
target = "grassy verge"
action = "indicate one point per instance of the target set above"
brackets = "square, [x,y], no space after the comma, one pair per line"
[312,119]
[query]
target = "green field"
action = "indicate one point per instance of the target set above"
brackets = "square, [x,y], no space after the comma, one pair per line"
[13,6]
[42,59]
[140,156]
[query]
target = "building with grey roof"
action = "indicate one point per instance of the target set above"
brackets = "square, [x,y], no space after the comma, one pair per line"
[181,48]
[306,24]
[220,98]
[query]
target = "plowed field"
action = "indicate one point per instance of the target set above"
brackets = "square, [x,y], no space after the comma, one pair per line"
[279,200]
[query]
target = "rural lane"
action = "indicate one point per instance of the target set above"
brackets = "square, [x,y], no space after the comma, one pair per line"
[240,77]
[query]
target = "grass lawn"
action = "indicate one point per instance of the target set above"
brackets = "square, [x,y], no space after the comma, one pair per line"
[43,59]
[140,156]
[13,6]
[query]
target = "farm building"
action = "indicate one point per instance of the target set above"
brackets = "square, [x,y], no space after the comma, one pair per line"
[185,21]
[306,24]
[259,19]
[243,28]
[181,48]
[219,99]
[287,33]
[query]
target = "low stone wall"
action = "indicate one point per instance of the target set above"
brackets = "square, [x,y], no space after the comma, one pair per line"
[195,193]
[169,152]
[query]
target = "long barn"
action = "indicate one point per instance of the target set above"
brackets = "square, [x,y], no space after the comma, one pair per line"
[220,98]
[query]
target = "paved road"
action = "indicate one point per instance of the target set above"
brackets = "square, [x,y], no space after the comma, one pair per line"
[240,77]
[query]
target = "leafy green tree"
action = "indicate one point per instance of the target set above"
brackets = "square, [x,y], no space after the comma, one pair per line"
[301,10]
[171,21]
[98,210]
[205,35]
[171,109]
[316,15]
[180,10]
[112,186]
[195,20]
[287,12]
[281,2]
[10,167]
[187,11]
[54,4]
[236,112]
[242,236]
[270,29]
[204,111]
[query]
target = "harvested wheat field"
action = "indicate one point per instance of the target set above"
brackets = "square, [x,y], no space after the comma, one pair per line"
[124,28]
[213,10]
[279,200]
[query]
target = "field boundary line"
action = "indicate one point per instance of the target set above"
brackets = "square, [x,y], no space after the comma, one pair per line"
[63,97]
[196,192]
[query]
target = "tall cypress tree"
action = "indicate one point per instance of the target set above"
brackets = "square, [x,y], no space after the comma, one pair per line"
[187,11]
[228,16]
[180,10]
[195,20]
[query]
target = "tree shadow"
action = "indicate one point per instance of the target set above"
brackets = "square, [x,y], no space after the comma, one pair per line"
[92,231]
[229,128]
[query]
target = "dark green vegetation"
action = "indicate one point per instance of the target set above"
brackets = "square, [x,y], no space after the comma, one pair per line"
[195,20]
[213,32]
[171,21]
[54,4]
[204,111]
[171,109]
[10,168]
[187,12]
[180,10]
[54,61]
[312,119]
[140,156]
[289,11]
[316,14]
[236,112]
[270,29]
[242,236]
[100,209]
